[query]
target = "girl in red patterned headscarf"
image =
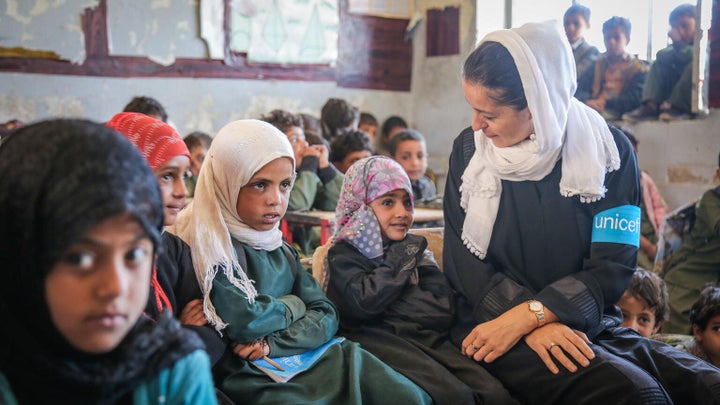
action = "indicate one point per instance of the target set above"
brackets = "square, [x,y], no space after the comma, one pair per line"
[174,285]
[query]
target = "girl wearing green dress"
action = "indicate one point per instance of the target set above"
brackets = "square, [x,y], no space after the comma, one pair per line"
[257,294]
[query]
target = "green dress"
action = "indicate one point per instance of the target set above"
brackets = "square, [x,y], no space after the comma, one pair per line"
[293,313]
[694,264]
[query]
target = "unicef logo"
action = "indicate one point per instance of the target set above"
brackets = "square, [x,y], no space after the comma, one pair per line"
[618,225]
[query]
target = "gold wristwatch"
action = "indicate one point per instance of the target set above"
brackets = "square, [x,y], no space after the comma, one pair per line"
[538,309]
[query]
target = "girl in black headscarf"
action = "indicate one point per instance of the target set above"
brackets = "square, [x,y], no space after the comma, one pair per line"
[80,221]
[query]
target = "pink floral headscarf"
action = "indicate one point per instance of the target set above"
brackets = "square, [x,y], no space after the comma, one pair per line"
[365,181]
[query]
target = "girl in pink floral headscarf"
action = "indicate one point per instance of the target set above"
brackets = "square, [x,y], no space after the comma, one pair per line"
[391,295]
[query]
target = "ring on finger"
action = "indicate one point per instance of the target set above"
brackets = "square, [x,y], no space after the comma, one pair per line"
[475,348]
[551,346]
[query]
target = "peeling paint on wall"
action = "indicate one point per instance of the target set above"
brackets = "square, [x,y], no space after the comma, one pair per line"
[157,4]
[46,25]
[68,106]
[157,35]
[17,107]
[202,117]
[210,31]
[261,105]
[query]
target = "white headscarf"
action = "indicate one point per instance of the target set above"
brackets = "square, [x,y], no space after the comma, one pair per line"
[237,152]
[564,127]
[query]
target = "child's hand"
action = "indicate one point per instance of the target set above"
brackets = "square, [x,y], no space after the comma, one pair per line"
[596,104]
[251,351]
[405,254]
[193,313]
[323,155]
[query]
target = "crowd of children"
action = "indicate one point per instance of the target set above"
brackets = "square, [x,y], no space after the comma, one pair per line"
[620,86]
[129,249]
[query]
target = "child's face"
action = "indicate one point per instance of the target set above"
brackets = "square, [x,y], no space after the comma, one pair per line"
[709,339]
[393,131]
[370,129]
[263,201]
[394,212]
[197,155]
[683,30]
[99,287]
[575,26]
[296,136]
[637,315]
[171,177]
[351,158]
[615,41]
[412,156]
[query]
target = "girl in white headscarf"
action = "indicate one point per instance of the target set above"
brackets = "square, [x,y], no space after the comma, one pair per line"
[541,235]
[255,290]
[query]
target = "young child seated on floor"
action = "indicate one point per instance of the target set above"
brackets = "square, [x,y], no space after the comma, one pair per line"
[705,320]
[348,148]
[644,304]
[667,93]
[255,289]
[198,143]
[615,84]
[392,297]
[408,148]
[173,286]
[369,124]
[575,21]
[391,126]
[338,116]
[78,239]
[704,343]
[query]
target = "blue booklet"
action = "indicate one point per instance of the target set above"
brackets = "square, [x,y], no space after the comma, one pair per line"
[293,365]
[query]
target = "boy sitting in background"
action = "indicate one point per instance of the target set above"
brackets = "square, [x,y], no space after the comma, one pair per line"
[705,319]
[644,304]
[668,88]
[615,84]
[348,148]
[198,143]
[704,343]
[369,124]
[576,20]
[408,148]
[696,262]
[148,106]
[317,182]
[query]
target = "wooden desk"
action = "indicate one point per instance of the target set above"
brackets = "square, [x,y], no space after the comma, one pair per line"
[326,221]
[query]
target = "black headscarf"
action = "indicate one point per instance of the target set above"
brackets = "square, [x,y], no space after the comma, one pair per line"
[59,178]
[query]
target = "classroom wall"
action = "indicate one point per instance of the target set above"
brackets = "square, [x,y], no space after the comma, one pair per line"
[681,156]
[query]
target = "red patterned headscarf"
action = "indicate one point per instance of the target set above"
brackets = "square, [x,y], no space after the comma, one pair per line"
[157,141]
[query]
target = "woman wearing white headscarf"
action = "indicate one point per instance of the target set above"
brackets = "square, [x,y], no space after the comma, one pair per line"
[541,236]
[255,290]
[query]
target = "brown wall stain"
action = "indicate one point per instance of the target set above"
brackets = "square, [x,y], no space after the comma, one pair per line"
[683,174]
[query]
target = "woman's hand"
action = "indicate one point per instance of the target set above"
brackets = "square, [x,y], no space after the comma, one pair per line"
[193,313]
[251,351]
[559,341]
[490,340]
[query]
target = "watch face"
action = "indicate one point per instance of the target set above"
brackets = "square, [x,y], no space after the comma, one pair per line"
[535,306]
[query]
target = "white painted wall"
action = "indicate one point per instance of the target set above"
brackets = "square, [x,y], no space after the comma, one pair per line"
[681,156]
